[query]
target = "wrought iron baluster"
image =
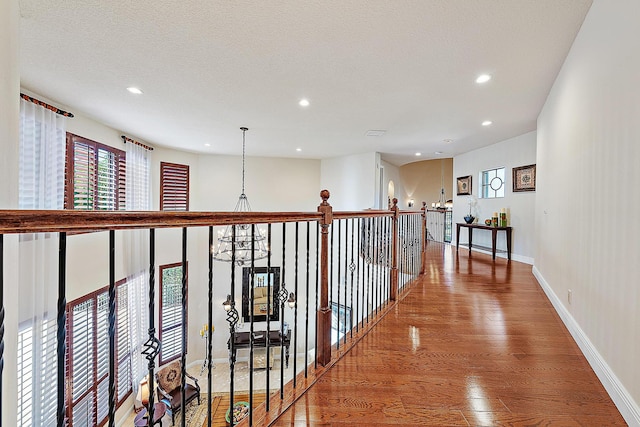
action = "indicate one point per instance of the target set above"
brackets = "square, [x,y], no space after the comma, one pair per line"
[112,328]
[283,297]
[62,327]
[209,329]
[295,309]
[232,319]
[346,260]
[338,282]
[359,277]
[251,330]
[306,308]
[183,359]
[352,268]
[269,308]
[317,306]
[331,267]
[152,346]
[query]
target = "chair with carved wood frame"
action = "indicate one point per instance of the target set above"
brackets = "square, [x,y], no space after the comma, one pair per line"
[169,381]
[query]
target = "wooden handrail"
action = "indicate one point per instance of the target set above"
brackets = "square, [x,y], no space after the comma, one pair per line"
[48,221]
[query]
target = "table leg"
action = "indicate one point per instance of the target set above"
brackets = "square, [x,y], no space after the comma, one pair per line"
[470,237]
[508,244]
[286,352]
[457,236]
[494,234]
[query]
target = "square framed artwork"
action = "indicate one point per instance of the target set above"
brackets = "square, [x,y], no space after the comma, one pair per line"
[524,178]
[464,185]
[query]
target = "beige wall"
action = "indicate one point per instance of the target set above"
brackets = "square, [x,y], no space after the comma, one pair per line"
[588,201]
[422,182]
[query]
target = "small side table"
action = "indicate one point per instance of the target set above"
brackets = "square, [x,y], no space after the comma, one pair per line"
[159,409]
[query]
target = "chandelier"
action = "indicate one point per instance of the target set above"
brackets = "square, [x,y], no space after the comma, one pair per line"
[240,239]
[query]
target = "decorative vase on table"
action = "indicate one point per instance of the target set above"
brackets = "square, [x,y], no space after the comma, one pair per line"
[469,219]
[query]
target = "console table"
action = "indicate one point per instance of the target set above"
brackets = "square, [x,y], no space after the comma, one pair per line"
[494,233]
[242,340]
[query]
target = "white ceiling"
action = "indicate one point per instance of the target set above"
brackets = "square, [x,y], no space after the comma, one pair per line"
[209,67]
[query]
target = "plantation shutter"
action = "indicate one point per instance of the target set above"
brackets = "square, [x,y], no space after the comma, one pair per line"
[123,342]
[82,363]
[95,175]
[174,187]
[170,312]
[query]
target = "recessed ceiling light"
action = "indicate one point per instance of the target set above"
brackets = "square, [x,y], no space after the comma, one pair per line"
[304,103]
[207,145]
[487,123]
[134,90]
[483,78]
[418,154]
[298,149]
[448,141]
[439,152]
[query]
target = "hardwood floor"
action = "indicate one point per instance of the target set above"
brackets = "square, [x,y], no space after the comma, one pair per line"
[473,342]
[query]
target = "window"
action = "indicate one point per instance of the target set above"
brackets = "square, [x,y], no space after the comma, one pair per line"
[492,183]
[174,187]
[170,312]
[95,175]
[88,355]
[42,373]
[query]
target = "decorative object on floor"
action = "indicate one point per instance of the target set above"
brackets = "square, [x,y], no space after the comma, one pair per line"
[240,411]
[204,333]
[464,185]
[169,381]
[240,242]
[524,178]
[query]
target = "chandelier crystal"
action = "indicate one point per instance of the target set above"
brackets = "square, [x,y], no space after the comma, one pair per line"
[240,238]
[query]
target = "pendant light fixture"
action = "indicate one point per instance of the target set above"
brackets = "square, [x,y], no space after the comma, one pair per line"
[243,239]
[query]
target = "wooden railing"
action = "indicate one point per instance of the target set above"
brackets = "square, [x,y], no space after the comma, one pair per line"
[363,260]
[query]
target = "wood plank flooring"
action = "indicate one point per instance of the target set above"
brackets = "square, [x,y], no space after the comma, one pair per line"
[472,343]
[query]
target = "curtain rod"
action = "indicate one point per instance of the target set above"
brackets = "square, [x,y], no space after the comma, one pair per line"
[126,139]
[45,105]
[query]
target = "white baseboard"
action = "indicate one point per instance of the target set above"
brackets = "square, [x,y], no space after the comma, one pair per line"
[628,408]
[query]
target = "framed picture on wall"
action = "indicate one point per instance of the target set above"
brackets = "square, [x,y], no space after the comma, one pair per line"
[524,178]
[464,185]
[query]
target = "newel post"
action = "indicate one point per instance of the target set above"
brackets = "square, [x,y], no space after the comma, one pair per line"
[423,236]
[324,312]
[394,252]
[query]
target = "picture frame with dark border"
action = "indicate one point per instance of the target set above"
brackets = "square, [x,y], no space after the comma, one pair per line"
[524,178]
[261,276]
[464,185]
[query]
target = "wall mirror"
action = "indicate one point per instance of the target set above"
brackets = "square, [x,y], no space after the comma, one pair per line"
[264,279]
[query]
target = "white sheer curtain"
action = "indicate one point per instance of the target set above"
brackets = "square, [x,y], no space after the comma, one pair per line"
[137,256]
[41,186]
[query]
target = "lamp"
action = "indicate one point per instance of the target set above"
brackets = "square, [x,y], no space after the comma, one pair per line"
[227,304]
[232,314]
[292,300]
[242,240]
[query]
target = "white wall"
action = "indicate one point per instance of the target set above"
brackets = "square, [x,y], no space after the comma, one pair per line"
[392,173]
[9,136]
[514,152]
[588,200]
[351,180]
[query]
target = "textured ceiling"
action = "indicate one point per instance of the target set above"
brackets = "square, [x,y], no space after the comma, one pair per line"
[209,67]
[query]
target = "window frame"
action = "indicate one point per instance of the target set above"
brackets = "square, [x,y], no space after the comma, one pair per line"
[174,192]
[163,331]
[69,179]
[486,190]
[96,382]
